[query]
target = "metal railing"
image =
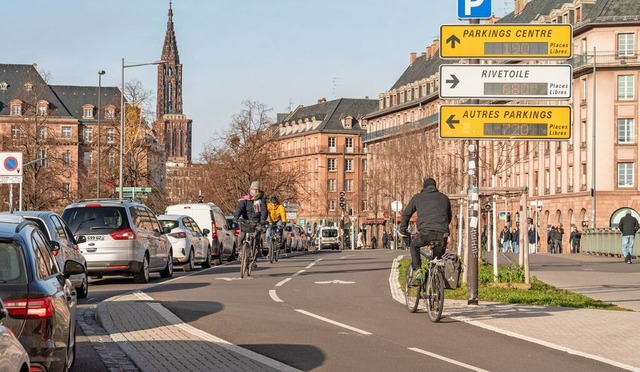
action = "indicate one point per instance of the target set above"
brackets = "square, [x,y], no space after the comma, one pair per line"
[602,242]
[431,119]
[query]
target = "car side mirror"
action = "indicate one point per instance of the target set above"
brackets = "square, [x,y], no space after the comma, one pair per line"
[81,239]
[73,267]
[205,232]
[55,247]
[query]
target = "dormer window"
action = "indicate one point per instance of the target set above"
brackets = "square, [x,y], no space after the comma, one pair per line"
[347,122]
[87,111]
[28,87]
[16,107]
[43,108]
[4,85]
[110,112]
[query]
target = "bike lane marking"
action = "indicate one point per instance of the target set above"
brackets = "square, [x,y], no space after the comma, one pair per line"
[452,361]
[354,329]
[274,296]
[282,282]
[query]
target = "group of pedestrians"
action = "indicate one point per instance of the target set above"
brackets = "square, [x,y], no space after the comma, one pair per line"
[510,239]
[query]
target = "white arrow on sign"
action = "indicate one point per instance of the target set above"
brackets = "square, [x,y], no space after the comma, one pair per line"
[335,282]
[506,81]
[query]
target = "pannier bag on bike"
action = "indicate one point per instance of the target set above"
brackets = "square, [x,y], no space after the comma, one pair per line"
[247,226]
[452,268]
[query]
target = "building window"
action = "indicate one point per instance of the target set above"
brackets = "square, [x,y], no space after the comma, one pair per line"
[42,133]
[570,178]
[625,45]
[43,157]
[87,112]
[332,205]
[42,110]
[331,164]
[16,109]
[86,158]
[364,165]
[626,131]
[583,176]
[583,133]
[348,165]
[66,190]
[111,158]
[15,132]
[348,185]
[111,135]
[626,87]
[625,174]
[583,99]
[332,144]
[66,158]
[88,134]
[109,113]
[349,143]
[365,205]
[332,185]
[558,179]
[66,132]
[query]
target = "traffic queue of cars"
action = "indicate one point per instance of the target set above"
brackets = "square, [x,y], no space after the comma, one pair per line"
[46,260]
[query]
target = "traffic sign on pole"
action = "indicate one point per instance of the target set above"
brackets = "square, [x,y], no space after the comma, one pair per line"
[11,164]
[506,81]
[506,41]
[479,9]
[505,122]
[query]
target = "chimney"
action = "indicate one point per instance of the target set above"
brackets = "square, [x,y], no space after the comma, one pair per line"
[519,7]
[429,52]
[412,57]
[436,46]
[322,100]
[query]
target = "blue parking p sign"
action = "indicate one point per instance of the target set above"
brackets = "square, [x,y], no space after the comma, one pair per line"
[474,9]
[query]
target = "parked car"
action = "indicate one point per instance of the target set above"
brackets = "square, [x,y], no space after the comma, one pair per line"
[120,238]
[208,215]
[13,356]
[329,237]
[235,227]
[39,298]
[190,244]
[290,237]
[54,228]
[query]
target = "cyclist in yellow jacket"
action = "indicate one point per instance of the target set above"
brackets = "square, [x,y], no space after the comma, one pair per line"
[277,215]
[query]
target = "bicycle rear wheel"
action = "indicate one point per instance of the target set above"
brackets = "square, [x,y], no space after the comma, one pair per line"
[244,261]
[434,298]
[412,290]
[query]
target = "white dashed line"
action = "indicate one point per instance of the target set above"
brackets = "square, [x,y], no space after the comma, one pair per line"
[298,273]
[282,282]
[274,296]
[310,265]
[460,364]
[334,322]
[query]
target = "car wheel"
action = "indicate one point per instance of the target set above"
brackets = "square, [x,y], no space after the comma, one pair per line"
[83,290]
[188,266]
[207,262]
[218,261]
[167,272]
[232,256]
[142,276]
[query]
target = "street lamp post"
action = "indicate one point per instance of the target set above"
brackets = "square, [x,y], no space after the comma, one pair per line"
[122,120]
[100,73]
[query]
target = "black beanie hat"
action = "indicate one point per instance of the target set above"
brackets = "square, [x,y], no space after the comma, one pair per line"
[429,182]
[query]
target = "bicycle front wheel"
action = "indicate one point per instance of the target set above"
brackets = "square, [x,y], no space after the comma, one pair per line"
[244,261]
[250,260]
[412,290]
[434,298]
[272,251]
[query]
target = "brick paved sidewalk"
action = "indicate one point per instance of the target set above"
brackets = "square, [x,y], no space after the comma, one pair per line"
[157,340]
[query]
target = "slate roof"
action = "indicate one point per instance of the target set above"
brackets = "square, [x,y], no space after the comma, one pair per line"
[16,76]
[420,68]
[331,113]
[611,11]
[74,97]
[533,10]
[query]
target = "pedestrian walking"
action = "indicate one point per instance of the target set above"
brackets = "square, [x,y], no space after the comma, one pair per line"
[551,241]
[628,226]
[515,239]
[559,238]
[385,240]
[359,244]
[374,241]
[505,239]
[534,238]
[574,240]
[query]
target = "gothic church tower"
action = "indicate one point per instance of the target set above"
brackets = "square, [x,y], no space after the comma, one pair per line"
[172,126]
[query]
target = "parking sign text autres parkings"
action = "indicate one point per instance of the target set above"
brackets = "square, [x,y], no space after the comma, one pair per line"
[507,114]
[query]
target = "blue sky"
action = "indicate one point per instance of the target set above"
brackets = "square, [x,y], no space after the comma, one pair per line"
[282,53]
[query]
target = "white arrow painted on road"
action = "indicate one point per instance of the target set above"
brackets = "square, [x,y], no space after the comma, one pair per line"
[229,279]
[335,282]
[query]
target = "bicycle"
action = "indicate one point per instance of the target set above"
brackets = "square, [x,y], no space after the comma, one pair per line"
[248,249]
[274,244]
[429,287]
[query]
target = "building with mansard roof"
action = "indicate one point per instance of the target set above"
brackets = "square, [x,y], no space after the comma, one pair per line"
[588,180]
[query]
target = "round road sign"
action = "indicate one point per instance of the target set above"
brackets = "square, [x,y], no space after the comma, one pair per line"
[396,205]
[10,163]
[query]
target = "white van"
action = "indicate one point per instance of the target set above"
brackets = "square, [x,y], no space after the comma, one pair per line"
[329,237]
[209,216]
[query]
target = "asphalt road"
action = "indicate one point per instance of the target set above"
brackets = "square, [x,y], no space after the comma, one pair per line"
[334,311]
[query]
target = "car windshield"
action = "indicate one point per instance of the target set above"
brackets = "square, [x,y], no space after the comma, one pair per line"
[169,223]
[95,220]
[12,269]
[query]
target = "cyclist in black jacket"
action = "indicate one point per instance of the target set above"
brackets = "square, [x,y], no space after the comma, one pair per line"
[434,217]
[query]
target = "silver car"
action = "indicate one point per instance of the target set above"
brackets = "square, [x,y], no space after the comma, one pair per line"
[54,228]
[120,238]
[190,244]
[13,357]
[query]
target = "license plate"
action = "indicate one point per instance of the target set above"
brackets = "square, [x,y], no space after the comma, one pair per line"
[93,238]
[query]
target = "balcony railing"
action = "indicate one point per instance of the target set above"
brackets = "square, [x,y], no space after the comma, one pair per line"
[605,59]
[431,119]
